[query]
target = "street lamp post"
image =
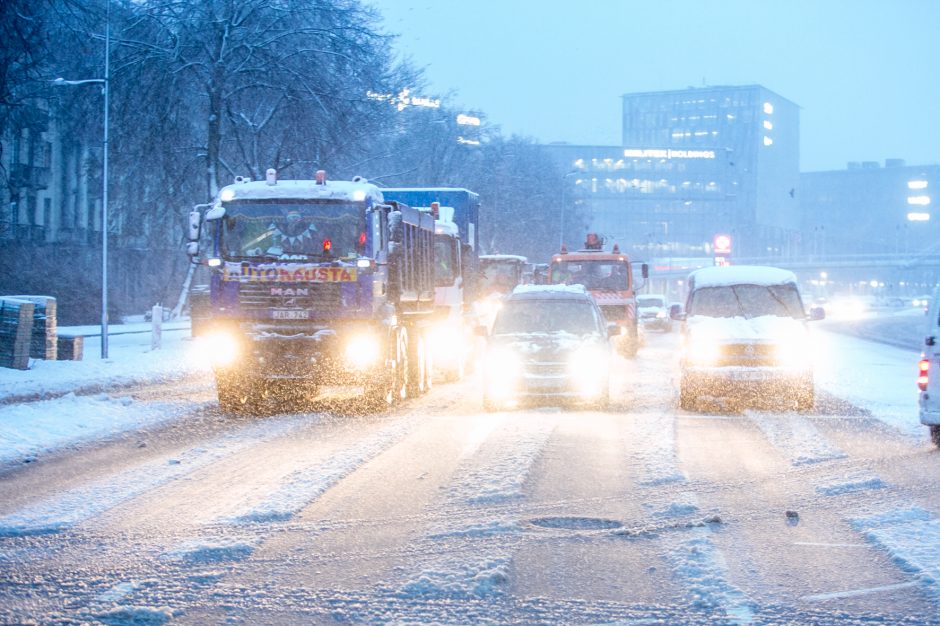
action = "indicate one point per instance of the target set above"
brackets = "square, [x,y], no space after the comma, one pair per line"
[104,182]
[561,226]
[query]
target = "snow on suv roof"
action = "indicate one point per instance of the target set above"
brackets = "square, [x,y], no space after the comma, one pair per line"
[550,290]
[740,275]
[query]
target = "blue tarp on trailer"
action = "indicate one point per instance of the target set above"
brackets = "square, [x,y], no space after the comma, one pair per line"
[466,206]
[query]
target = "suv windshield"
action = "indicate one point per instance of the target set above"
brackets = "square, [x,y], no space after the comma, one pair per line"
[747,301]
[541,316]
[307,229]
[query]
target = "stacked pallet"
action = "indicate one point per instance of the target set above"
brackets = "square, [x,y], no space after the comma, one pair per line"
[71,347]
[43,344]
[16,328]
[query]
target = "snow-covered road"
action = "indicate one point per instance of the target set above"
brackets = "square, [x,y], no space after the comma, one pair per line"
[436,512]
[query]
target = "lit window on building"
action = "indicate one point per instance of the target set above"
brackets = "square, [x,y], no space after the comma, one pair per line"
[768,125]
[768,141]
[917,184]
[918,200]
[768,108]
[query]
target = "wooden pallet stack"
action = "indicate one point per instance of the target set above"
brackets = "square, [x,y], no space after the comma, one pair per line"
[16,329]
[44,344]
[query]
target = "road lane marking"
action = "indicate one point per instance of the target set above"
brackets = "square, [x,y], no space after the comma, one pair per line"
[836,595]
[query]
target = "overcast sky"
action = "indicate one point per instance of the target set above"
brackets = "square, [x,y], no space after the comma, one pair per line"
[865,73]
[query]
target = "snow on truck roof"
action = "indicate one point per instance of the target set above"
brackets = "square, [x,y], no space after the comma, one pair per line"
[740,275]
[301,189]
[503,257]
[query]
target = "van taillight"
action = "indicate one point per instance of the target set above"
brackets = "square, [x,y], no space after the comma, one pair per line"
[923,366]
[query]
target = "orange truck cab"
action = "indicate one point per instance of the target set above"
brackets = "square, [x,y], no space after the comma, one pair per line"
[608,276]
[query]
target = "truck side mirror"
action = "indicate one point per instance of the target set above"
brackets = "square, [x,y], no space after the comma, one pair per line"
[675,312]
[817,313]
[645,270]
[192,248]
[195,225]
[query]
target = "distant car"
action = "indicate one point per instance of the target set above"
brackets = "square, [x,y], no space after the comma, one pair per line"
[652,311]
[745,330]
[548,343]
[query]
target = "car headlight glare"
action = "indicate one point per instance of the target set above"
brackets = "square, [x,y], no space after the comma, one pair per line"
[703,350]
[363,351]
[503,367]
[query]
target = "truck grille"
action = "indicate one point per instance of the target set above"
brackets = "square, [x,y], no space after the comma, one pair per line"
[749,354]
[318,298]
[614,312]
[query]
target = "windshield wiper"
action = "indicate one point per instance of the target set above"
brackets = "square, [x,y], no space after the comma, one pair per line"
[740,304]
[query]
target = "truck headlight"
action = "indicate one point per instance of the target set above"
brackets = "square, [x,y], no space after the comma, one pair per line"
[220,348]
[363,351]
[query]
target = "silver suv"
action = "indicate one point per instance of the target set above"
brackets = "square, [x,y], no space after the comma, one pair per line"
[548,342]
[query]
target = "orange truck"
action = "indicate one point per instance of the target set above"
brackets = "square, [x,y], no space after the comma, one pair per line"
[608,276]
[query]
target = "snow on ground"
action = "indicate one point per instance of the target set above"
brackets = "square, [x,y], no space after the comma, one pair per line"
[876,377]
[879,378]
[65,417]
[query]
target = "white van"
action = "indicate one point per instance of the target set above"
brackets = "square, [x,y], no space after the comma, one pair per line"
[928,379]
[744,330]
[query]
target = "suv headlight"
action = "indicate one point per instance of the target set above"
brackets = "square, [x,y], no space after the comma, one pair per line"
[795,349]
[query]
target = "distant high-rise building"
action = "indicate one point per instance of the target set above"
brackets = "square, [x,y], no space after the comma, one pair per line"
[695,163]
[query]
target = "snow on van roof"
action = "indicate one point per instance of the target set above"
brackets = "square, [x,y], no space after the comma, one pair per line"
[740,275]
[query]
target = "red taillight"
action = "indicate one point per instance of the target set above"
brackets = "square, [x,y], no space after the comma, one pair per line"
[327,246]
[923,366]
[362,240]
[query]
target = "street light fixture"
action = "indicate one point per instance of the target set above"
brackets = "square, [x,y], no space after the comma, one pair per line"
[104,179]
[561,227]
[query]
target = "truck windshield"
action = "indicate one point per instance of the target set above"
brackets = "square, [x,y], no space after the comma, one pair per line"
[747,301]
[599,275]
[445,261]
[294,229]
[500,276]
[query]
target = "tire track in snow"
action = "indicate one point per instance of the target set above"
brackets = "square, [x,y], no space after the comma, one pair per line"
[911,537]
[796,437]
[455,567]
[83,503]
[695,560]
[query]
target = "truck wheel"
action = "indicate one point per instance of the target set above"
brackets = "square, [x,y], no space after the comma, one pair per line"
[935,435]
[630,344]
[488,405]
[419,373]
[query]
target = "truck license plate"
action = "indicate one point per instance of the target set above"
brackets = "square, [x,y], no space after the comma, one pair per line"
[299,314]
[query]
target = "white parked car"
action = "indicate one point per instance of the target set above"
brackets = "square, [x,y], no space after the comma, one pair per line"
[928,380]
[745,331]
[653,312]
